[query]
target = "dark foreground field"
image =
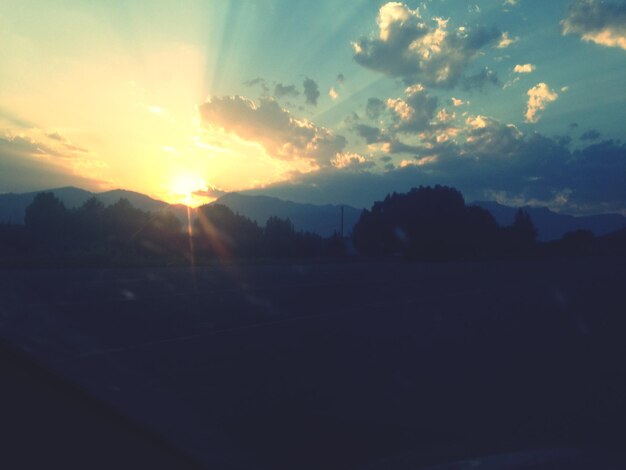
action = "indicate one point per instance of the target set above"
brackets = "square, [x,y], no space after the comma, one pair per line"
[342,366]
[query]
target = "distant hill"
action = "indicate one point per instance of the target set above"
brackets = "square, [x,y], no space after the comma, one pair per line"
[323,220]
[140,201]
[13,205]
[552,225]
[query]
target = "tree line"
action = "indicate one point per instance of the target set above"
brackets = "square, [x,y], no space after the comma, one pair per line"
[427,223]
[123,234]
[434,223]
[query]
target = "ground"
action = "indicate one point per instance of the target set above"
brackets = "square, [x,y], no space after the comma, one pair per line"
[340,365]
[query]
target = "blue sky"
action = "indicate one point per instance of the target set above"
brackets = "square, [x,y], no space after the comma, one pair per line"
[517,101]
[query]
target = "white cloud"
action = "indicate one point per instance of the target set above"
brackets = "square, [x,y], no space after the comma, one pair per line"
[506,41]
[444,116]
[488,156]
[538,98]
[411,90]
[415,49]
[524,68]
[351,160]
[333,93]
[282,135]
[510,83]
[599,22]
[414,113]
[457,101]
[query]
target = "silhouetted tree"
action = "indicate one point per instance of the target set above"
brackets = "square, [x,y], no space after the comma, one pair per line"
[220,232]
[124,221]
[335,246]
[521,236]
[576,243]
[523,226]
[425,223]
[280,237]
[163,235]
[88,221]
[46,219]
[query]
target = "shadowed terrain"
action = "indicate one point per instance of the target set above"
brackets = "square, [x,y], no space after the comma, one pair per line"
[341,366]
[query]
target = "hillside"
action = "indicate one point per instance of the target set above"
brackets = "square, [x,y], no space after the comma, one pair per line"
[552,225]
[13,205]
[324,220]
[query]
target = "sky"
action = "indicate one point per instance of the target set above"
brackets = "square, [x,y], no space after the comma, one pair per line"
[517,101]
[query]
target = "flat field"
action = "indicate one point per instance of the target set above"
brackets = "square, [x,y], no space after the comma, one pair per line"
[340,365]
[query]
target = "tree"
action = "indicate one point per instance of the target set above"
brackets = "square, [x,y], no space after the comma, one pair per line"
[220,232]
[425,223]
[280,237]
[523,228]
[88,221]
[46,219]
[123,221]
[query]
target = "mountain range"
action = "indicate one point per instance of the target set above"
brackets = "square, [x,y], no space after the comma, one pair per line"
[553,225]
[321,219]
[13,205]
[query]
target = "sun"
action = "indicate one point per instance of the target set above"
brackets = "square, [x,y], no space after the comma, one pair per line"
[187,189]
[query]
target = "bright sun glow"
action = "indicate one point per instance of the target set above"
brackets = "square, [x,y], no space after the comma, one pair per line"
[185,189]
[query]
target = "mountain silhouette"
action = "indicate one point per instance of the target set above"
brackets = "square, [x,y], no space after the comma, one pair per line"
[551,225]
[13,205]
[323,220]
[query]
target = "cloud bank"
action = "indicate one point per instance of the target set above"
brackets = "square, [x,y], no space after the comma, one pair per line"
[492,161]
[603,23]
[281,134]
[414,49]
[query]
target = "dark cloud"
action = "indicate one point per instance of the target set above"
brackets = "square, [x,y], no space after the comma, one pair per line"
[421,51]
[258,82]
[56,136]
[341,78]
[603,23]
[590,135]
[21,147]
[15,120]
[282,135]
[351,118]
[374,108]
[311,91]
[281,90]
[563,140]
[385,158]
[414,113]
[28,165]
[395,146]
[65,142]
[478,81]
[493,161]
[487,136]
[60,146]
[370,134]
[211,192]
